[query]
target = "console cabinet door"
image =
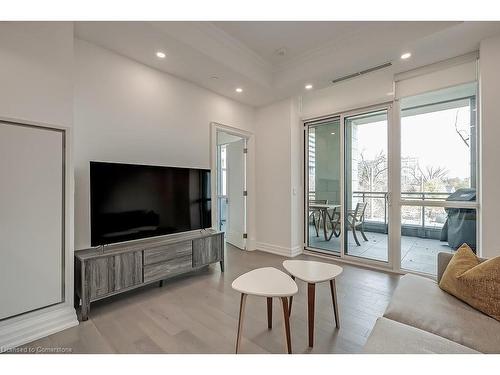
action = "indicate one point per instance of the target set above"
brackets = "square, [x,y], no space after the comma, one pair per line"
[100,276]
[127,270]
[207,250]
[112,273]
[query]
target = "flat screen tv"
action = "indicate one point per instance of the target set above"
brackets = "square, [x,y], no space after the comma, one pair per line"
[129,201]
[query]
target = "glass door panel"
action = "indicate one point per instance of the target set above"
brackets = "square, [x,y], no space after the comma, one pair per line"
[222,188]
[427,231]
[366,186]
[323,168]
[438,175]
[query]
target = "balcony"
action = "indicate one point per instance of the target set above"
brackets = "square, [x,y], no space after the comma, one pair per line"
[420,231]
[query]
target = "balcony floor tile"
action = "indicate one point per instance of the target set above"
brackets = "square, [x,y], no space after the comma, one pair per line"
[417,254]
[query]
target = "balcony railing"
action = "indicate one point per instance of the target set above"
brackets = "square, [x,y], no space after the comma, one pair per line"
[414,221]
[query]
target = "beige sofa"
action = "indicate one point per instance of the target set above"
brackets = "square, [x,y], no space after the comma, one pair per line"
[422,318]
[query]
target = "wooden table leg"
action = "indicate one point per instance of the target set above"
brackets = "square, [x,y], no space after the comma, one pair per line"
[240,321]
[311,291]
[333,290]
[291,300]
[286,316]
[269,312]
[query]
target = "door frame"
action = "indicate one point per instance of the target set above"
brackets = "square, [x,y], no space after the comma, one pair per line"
[215,127]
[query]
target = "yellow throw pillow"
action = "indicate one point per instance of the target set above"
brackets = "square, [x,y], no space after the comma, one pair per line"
[474,282]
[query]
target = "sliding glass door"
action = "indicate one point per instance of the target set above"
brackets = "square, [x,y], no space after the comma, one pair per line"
[426,153]
[366,185]
[323,185]
[346,159]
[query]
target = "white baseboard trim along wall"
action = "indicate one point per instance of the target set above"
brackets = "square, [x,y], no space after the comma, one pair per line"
[33,326]
[279,250]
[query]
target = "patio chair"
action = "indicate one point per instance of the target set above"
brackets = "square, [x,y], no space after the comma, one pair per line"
[316,213]
[356,219]
[334,219]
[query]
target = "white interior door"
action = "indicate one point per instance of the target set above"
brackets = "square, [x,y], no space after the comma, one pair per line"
[235,193]
[31,218]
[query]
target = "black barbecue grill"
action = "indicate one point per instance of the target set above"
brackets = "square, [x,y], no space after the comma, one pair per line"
[460,226]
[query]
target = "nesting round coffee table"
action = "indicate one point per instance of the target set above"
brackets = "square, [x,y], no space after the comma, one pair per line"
[266,282]
[312,273]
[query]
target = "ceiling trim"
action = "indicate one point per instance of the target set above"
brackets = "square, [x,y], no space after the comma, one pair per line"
[318,52]
[209,40]
[232,43]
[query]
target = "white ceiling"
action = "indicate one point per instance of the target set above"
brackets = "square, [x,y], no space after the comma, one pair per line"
[244,54]
[297,38]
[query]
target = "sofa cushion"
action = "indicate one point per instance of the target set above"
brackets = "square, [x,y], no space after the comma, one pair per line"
[475,283]
[419,302]
[391,337]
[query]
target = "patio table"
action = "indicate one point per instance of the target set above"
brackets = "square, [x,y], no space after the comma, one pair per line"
[323,208]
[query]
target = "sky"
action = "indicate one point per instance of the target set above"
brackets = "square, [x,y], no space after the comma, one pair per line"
[430,137]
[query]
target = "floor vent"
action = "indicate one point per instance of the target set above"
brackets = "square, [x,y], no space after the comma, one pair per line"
[366,71]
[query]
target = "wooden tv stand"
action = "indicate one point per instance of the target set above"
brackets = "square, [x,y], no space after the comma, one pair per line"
[104,272]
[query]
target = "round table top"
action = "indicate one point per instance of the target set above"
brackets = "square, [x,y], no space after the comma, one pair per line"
[266,282]
[311,271]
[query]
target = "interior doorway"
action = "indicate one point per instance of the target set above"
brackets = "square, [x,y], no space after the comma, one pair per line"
[231,189]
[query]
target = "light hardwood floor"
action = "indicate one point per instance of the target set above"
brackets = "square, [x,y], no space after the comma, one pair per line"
[198,313]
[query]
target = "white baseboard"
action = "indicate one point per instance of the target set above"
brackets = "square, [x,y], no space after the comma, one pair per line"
[33,326]
[297,250]
[251,244]
[279,250]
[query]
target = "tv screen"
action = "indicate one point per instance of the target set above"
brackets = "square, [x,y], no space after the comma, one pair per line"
[129,202]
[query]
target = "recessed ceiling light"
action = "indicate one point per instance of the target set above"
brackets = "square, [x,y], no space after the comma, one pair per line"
[309,86]
[239,89]
[281,51]
[333,133]
[406,55]
[160,55]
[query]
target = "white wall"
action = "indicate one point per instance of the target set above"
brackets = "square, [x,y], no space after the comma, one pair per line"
[278,179]
[36,81]
[125,111]
[489,86]
[296,179]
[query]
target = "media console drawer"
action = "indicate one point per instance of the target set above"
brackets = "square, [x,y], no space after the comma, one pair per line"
[168,252]
[158,271]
